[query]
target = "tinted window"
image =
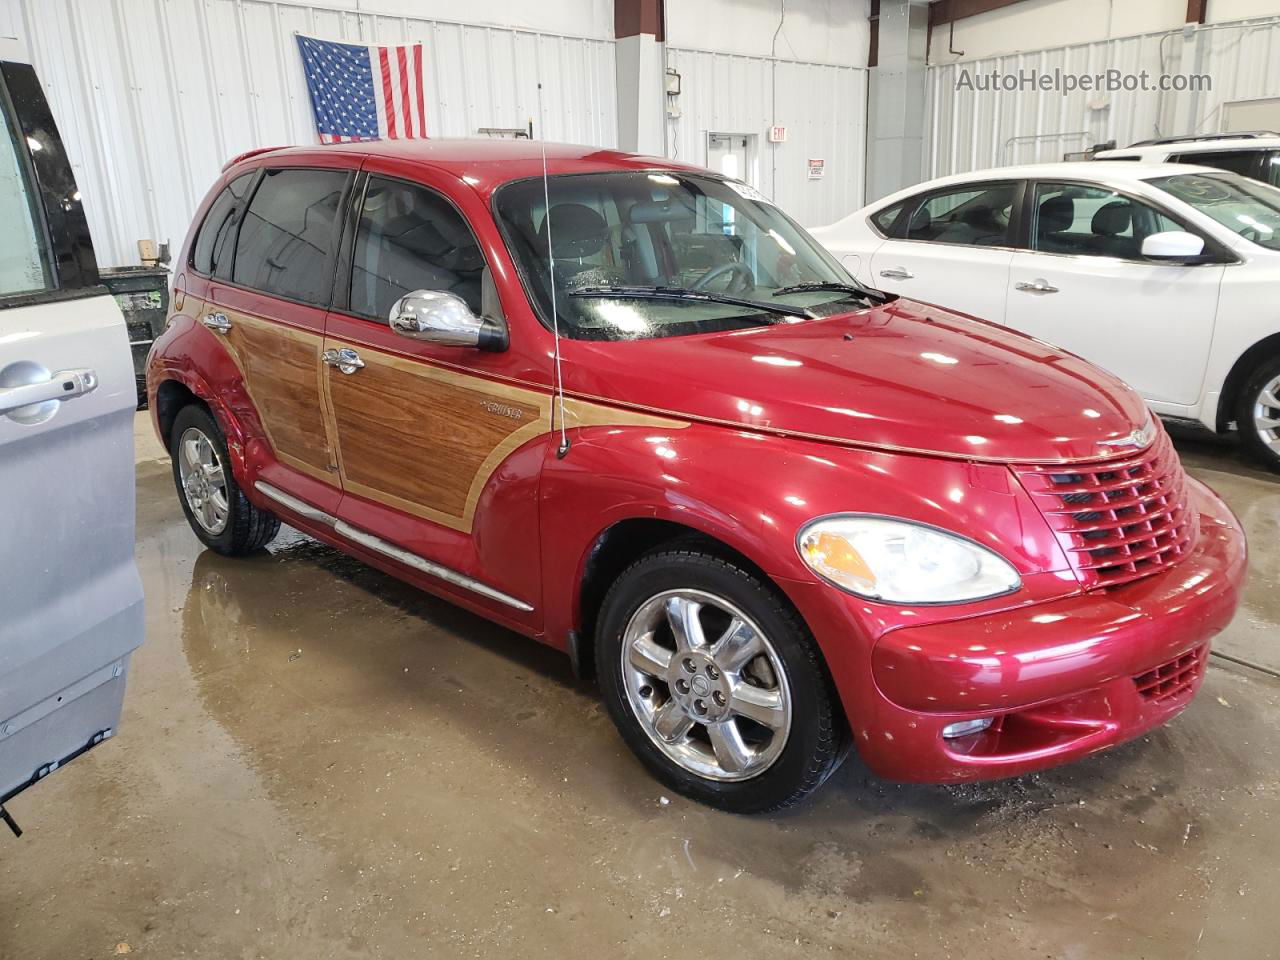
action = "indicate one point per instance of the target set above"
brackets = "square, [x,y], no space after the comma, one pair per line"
[1243,162]
[1092,221]
[1272,169]
[213,244]
[410,238]
[976,216]
[287,233]
[884,220]
[24,264]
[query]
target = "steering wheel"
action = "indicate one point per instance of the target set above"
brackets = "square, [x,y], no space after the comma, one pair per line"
[741,278]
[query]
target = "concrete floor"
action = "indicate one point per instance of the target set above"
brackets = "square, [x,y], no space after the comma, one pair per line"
[317,761]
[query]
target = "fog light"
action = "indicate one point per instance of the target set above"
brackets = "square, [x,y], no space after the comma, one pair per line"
[964,728]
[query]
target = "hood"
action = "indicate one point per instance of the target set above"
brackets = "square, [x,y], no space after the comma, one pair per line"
[903,376]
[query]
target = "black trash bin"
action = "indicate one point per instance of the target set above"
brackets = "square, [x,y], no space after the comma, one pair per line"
[143,296]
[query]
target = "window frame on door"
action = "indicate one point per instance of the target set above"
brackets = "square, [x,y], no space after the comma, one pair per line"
[915,201]
[62,230]
[1215,253]
[345,268]
[336,237]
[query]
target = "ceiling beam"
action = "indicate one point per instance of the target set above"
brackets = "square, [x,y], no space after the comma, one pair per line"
[945,11]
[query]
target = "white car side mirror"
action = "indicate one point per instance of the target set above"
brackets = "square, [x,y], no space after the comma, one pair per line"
[1173,245]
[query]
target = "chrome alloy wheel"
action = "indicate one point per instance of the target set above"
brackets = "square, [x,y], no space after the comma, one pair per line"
[1266,414]
[706,685]
[204,481]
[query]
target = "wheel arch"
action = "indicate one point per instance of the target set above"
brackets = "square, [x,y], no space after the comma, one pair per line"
[618,546]
[1240,371]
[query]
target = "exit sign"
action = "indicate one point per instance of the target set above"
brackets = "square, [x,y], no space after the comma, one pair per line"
[777,134]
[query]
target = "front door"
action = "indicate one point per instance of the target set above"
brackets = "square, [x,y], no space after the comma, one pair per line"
[952,248]
[433,441]
[1085,286]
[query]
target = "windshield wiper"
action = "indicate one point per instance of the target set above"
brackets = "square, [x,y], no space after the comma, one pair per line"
[872,295]
[697,296]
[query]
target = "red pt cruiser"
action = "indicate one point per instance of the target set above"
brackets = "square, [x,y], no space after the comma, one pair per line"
[775,514]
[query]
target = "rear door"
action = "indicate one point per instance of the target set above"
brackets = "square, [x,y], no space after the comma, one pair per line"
[70,595]
[952,247]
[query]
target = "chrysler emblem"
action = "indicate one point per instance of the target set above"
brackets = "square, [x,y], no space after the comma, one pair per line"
[1139,439]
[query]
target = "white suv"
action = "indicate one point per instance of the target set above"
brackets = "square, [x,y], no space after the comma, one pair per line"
[1254,154]
[1164,274]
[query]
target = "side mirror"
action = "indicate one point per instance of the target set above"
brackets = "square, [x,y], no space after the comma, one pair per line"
[434,316]
[1173,245]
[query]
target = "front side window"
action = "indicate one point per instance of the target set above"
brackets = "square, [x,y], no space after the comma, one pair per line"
[1243,162]
[972,215]
[1248,208]
[1082,220]
[24,262]
[287,234]
[642,255]
[211,254]
[410,238]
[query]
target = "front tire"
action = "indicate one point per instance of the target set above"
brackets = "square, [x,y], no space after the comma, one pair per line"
[218,511]
[716,684]
[1258,413]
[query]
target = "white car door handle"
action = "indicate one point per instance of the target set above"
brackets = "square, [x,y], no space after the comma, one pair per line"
[63,385]
[1036,286]
[897,273]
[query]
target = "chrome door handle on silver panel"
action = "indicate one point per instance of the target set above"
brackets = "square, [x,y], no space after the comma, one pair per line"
[1038,286]
[216,322]
[345,359]
[897,273]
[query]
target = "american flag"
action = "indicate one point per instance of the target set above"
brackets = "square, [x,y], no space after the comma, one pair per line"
[365,92]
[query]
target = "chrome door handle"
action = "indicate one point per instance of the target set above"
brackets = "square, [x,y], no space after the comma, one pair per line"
[217,322]
[897,273]
[26,402]
[1038,286]
[345,359]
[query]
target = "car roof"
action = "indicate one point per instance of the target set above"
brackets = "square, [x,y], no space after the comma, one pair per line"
[1231,144]
[484,163]
[1129,173]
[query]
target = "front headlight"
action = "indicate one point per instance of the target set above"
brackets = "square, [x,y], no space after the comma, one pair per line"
[901,562]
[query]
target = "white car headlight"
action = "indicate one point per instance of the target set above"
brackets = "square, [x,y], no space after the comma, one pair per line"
[901,562]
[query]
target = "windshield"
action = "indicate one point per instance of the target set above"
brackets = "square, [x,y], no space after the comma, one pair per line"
[1246,207]
[643,255]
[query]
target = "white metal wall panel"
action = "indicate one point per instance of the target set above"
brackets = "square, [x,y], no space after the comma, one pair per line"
[153,96]
[972,129]
[823,107]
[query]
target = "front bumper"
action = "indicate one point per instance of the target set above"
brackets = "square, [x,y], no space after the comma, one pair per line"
[1060,680]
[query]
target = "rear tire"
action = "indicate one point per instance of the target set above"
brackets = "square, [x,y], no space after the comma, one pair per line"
[747,724]
[219,513]
[1258,413]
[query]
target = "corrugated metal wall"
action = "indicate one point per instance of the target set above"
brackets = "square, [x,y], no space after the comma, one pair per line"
[972,129]
[153,96]
[823,107]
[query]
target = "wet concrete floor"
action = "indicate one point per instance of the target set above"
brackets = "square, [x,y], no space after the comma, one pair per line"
[317,761]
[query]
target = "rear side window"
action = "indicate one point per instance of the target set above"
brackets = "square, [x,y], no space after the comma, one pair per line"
[286,235]
[213,245]
[885,219]
[410,238]
[1243,162]
[972,215]
[24,261]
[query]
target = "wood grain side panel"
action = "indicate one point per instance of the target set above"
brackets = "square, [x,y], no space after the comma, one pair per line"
[283,376]
[425,439]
